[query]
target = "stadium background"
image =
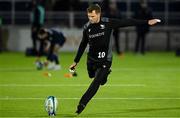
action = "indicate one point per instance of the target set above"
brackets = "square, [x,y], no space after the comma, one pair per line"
[139,86]
[71,15]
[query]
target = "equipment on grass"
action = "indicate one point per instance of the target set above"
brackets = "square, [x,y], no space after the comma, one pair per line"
[72,73]
[51,104]
[47,74]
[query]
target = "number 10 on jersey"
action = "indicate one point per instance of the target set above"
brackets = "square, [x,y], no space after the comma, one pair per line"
[101,54]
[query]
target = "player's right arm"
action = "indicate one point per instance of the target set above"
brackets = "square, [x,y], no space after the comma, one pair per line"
[80,52]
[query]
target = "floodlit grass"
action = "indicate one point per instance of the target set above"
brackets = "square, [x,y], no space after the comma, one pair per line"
[139,86]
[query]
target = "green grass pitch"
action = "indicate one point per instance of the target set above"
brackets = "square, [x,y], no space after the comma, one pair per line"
[139,86]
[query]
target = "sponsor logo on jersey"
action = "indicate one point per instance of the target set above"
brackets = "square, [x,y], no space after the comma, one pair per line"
[102,26]
[96,35]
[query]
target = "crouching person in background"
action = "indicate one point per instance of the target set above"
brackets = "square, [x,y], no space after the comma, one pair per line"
[53,39]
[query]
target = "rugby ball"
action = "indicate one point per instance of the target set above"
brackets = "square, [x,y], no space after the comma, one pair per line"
[39,65]
[51,104]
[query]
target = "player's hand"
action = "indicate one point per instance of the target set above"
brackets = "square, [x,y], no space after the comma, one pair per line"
[153,21]
[72,67]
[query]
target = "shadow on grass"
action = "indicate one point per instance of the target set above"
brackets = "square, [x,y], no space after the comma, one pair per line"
[120,113]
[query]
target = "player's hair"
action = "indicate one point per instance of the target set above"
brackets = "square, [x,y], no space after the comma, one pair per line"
[93,7]
[42,31]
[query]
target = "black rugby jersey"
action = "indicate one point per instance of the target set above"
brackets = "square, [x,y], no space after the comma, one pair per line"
[56,36]
[98,36]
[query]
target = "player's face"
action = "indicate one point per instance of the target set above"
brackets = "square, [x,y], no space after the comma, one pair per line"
[93,17]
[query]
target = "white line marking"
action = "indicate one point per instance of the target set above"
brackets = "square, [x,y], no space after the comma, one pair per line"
[69,85]
[116,98]
[113,69]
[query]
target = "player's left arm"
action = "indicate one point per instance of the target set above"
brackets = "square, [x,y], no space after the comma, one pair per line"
[116,23]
